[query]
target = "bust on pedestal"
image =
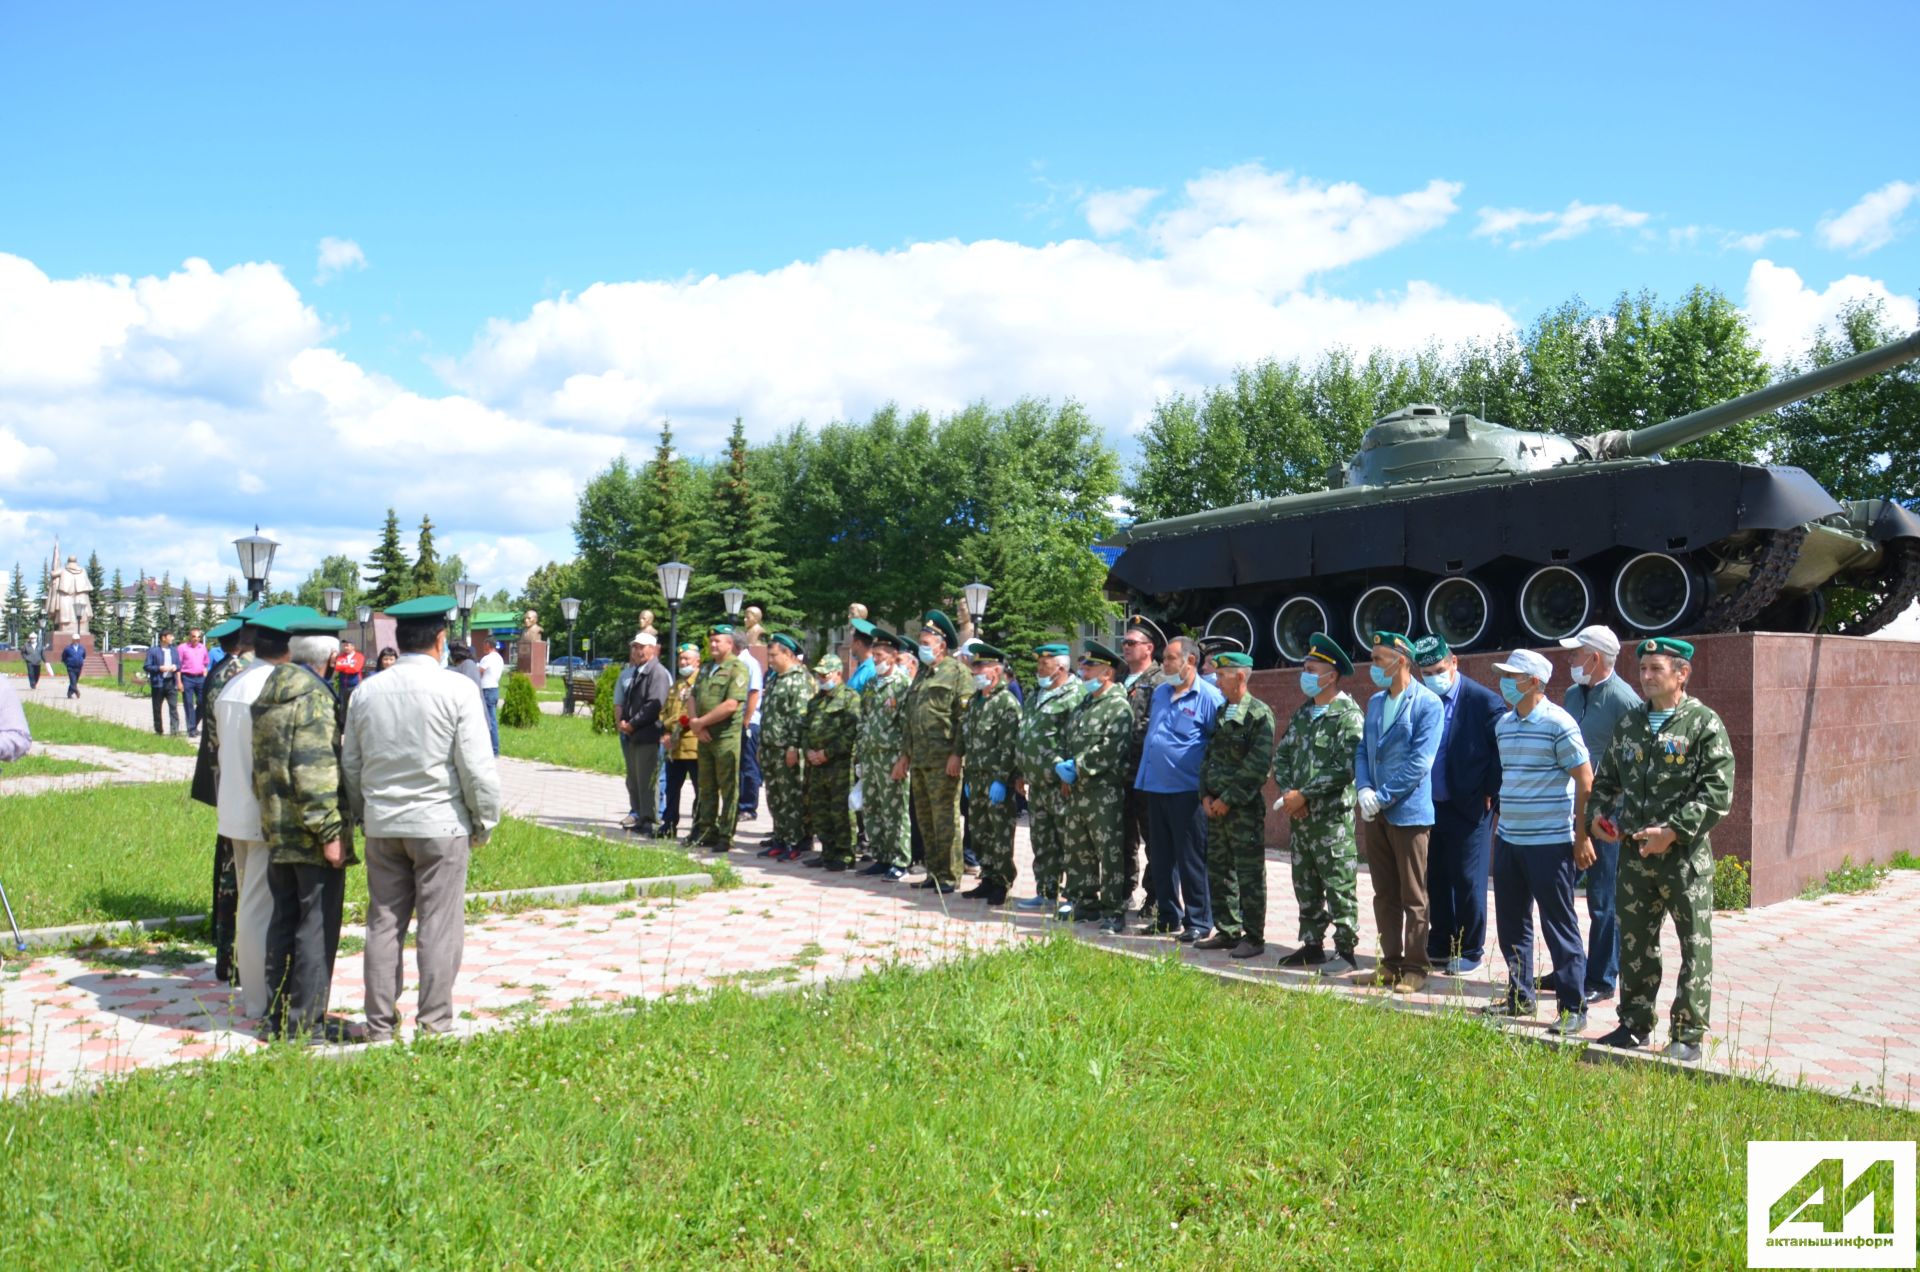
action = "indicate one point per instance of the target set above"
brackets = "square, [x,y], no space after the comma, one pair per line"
[530,651]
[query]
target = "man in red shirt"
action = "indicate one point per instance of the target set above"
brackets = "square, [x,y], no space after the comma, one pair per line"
[349,666]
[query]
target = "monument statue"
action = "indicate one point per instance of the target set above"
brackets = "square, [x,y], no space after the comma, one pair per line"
[530,626]
[68,601]
[646,623]
[856,610]
[963,622]
[756,634]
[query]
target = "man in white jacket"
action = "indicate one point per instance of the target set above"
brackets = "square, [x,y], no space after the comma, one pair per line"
[420,777]
[239,822]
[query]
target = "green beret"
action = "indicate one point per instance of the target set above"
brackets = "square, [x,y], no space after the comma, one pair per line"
[422,607]
[1325,648]
[865,628]
[830,663]
[1233,660]
[1398,643]
[983,652]
[935,621]
[1429,650]
[1052,651]
[1666,645]
[1096,652]
[297,620]
[220,631]
[785,642]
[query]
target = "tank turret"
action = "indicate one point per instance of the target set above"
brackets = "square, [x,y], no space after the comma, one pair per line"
[1489,535]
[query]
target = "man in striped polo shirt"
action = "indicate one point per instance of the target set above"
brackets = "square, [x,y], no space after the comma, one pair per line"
[1540,840]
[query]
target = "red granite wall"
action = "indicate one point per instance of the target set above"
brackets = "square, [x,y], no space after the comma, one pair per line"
[1826,737]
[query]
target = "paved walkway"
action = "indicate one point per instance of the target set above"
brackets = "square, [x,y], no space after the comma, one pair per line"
[1821,992]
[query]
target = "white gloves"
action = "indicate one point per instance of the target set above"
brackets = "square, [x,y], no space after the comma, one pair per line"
[1369,804]
[856,798]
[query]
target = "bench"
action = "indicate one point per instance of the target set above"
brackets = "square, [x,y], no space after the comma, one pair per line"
[581,688]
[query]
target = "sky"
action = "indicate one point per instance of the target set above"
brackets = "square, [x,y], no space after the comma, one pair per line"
[290,268]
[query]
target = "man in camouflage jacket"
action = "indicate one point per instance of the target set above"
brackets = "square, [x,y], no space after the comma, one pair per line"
[296,778]
[1140,646]
[1665,781]
[1313,767]
[1093,770]
[992,729]
[1233,791]
[883,723]
[833,724]
[1043,740]
[783,721]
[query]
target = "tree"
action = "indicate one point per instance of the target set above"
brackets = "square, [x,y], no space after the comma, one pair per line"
[164,619]
[388,570]
[339,571]
[98,578]
[1861,440]
[542,593]
[741,542]
[141,630]
[189,608]
[19,618]
[235,598]
[426,563]
[628,523]
[116,627]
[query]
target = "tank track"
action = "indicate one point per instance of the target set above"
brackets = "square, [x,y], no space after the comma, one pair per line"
[1761,586]
[1900,580]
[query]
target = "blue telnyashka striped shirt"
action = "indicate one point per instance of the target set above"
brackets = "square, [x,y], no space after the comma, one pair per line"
[1536,786]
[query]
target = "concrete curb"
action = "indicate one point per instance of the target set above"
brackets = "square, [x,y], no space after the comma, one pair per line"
[611,890]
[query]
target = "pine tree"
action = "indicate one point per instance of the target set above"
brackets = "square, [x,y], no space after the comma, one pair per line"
[116,626]
[189,608]
[19,619]
[141,633]
[388,571]
[163,619]
[741,543]
[98,578]
[235,597]
[426,562]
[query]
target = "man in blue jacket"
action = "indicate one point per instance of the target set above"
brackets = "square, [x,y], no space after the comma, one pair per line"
[75,657]
[1393,769]
[163,678]
[1466,782]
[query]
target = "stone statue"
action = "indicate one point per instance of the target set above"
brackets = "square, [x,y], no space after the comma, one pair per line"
[756,634]
[67,597]
[856,610]
[646,623]
[530,626]
[963,622]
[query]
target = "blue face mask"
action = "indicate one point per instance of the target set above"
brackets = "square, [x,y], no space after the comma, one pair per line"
[982,682]
[1212,679]
[1440,681]
[1088,684]
[1380,677]
[1510,690]
[926,654]
[1309,684]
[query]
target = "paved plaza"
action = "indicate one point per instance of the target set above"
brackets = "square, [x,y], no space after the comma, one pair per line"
[1820,992]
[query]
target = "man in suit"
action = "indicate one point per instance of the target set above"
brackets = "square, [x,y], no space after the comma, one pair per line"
[163,677]
[1466,781]
[1393,769]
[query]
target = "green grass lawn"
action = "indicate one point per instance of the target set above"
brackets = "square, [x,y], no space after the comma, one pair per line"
[1052,1107]
[142,852]
[46,766]
[566,740]
[52,725]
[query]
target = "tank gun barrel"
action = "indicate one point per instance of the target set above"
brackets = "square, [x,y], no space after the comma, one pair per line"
[1697,424]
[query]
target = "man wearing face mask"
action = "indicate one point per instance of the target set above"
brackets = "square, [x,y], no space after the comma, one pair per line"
[783,720]
[833,724]
[1598,701]
[885,802]
[1466,786]
[1179,725]
[934,748]
[1393,767]
[1313,766]
[1542,841]
[1233,784]
[1043,739]
[1140,646]
[992,728]
[1092,772]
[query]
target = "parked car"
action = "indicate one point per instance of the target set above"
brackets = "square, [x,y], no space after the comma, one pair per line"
[562,665]
[599,663]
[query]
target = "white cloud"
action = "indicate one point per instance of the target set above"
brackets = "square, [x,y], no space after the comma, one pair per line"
[1871,223]
[1516,226]
[1785,312]
[337,256]
[1734,241]
[1111,212]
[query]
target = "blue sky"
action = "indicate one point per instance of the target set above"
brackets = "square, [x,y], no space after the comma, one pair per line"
[524,204]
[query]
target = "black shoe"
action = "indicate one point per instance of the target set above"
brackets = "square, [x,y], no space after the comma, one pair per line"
[816,861]
[977,891]
[1522,1009]
[836,866]
[1248,948]
[1218,941]
[1188,936]
[991,895]
[1305,956]
[1599,996]
[645,832]
[894,874]
[1621,1036]
[932,884]
[877,868]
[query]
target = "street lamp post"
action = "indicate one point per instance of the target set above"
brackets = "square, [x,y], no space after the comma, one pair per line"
[463,593]
[570,610]
[123,610]
[734,598]
[256,559]
[365,615]
[330,598]
[976,594]
[673,585]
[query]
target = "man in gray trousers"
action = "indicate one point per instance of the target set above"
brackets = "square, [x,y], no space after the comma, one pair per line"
[421,779]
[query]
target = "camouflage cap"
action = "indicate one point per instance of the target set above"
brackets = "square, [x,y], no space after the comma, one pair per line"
[829,665]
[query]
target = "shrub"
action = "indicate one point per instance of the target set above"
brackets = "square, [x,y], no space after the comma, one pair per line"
[1732,884]
[519,708]
[603,705]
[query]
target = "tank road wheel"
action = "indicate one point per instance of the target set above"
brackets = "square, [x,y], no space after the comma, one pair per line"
[1232,621]
[1294,624]
[1897,586]
[1554,602]
[1459,611]
[1383,608]
[1655,592]
[1767,575]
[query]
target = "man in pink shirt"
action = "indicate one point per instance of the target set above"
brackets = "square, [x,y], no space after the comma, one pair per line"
[192,656]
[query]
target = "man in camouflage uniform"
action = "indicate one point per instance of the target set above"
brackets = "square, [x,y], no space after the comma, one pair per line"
[720,700]
[1043,740]
[236,640]
[1313,766]
[934,748]
[1140,646]
[1093,774]
[992,731]
[1233,791]
[883,723]
[833,724]
[783,720]
[1665,781]
[296,778]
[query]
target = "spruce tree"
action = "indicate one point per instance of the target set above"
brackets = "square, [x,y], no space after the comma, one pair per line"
[19,619]
[189,608]
[116,626]
[741,543]
[142,630]
[388,571]
[426,562]
[163,620]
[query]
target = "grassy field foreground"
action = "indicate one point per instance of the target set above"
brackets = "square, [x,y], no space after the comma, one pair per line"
[146,851]
[52,725]
[1050,1107]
